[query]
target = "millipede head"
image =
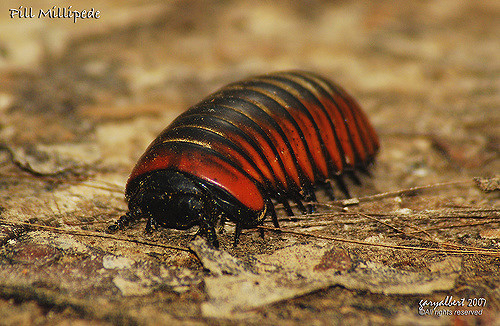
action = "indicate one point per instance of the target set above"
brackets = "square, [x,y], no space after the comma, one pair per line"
[176,200]
[172,200]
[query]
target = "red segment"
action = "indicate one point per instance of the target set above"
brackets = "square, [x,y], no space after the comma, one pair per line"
[313,142]
[325,129]
[369,134]
[327,134]
[308,128]
[363,136]
[284,153]
[255,157]
[192,159]
[238,159]
[339,129]
[297,146]
[339,125]
[292,134]
[351,125]
[279,144]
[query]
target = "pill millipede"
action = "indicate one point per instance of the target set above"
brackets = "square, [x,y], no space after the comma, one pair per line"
[276,137]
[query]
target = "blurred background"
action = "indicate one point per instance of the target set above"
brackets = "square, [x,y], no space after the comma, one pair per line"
[428,68]
[83,100]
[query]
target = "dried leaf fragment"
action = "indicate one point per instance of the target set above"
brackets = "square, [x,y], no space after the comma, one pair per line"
[488,184]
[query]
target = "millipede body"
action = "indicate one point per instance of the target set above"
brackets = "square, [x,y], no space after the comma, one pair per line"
[278,137]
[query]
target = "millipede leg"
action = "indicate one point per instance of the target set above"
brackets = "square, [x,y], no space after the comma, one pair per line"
[149,225]
[222,223]
[310,196]
[301,206]
[237,234]
[342,186]
[123,222]
[363,169]
[287,207]
[274,217]
[211,236]
[327,186]
[353,177]
[297,198]
[208,230]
